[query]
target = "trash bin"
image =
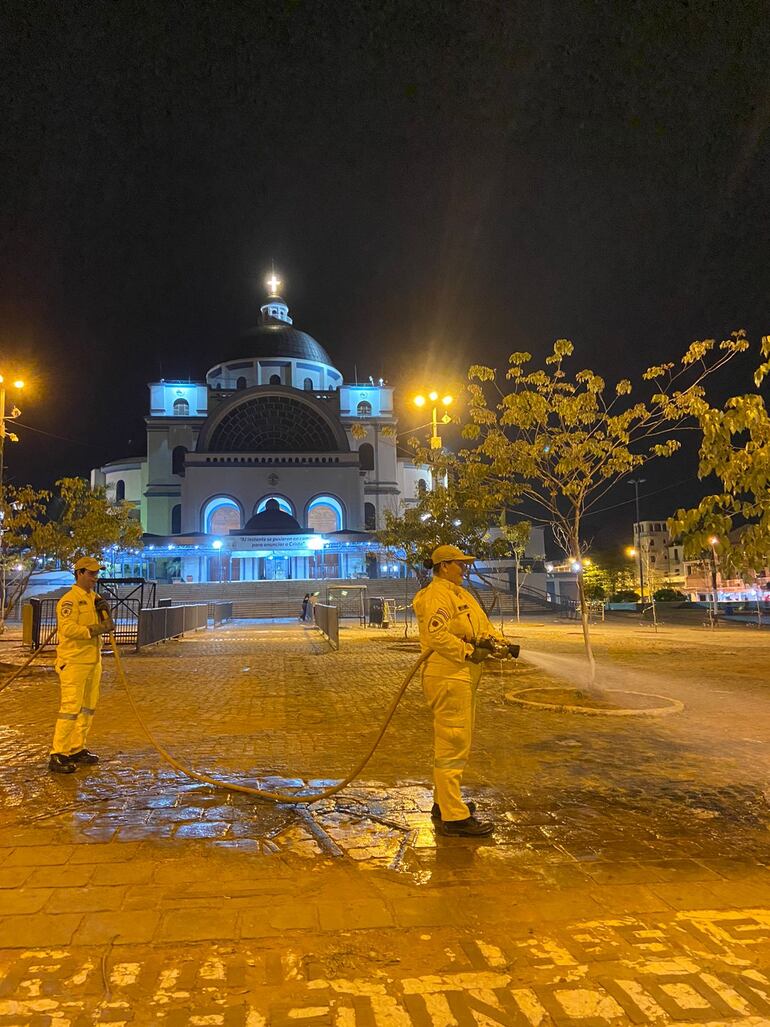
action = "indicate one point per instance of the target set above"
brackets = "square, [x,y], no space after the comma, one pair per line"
[376,611]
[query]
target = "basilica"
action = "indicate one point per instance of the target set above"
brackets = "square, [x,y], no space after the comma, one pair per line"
[273,467]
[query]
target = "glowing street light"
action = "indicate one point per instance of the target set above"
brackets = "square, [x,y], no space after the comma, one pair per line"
[4,433]
[433,397]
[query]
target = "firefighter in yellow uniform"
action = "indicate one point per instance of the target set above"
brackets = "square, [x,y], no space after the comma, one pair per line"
[82,617]
[459,636]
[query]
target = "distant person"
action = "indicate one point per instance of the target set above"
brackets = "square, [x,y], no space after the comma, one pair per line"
[305,601]
[82,617]
[459,637]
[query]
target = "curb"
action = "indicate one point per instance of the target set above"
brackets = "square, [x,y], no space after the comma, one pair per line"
[673,705]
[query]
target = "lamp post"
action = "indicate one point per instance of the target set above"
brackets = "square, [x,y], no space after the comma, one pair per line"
[713,543]
[446,401]
[12,437]
[217,544]
[636,482]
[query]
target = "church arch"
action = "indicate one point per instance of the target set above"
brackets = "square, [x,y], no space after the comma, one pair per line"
[366,456]
[241,383]
[278,419]
[364,408]
[221,514]
[370,517]
[308,385]
[325,513]
[181,408]
[120,490]
[176,519]
[275,379]
[283,503]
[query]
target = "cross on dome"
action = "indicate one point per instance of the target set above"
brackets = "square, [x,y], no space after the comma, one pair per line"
[274,284]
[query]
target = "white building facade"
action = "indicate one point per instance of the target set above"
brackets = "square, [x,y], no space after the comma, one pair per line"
[273,467]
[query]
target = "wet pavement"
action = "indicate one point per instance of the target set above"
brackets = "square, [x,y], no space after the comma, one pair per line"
[627,880]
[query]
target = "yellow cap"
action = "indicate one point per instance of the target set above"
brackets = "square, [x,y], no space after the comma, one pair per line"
[87,563]
[446,553]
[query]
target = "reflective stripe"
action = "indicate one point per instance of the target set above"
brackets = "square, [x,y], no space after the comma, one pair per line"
[85,709]
[450,763]
[67,716]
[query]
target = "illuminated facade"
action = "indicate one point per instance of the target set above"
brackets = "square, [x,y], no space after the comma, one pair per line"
[273,467]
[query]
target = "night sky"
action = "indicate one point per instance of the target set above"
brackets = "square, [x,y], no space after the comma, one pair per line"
[438,184]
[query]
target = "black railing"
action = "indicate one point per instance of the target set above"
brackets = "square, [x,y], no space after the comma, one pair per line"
[125,614]
[220,613]
[328,623]
[163,622]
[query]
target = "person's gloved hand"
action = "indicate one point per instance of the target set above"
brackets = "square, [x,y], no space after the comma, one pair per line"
[513,650]
[101,606]
[103,628]
[482,650]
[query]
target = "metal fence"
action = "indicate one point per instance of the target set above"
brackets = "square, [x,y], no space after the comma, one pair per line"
[328,623]
[220,613]
[163,622]
[125,614]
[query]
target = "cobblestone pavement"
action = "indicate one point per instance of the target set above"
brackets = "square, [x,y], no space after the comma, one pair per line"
[627,881]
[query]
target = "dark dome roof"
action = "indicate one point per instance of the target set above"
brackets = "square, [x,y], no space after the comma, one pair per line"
[272,521]
[274,338]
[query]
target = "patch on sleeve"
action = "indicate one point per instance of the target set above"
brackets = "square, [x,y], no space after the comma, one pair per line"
[66,609]
[439,620]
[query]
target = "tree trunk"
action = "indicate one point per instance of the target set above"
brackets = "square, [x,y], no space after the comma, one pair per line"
[584,618]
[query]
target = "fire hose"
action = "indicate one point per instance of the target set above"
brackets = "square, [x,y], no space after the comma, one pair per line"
[484,646]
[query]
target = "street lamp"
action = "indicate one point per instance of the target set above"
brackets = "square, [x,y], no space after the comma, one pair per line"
[636,482]
[4,433]
[433,397]
[714,542]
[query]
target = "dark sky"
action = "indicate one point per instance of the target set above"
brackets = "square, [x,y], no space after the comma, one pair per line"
[439,183]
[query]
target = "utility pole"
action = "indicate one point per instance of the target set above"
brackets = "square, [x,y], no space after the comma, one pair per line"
[636,482]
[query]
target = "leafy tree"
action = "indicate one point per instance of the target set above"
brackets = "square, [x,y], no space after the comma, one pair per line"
[667,594]
[735,446]
[625,595]
[77,521]
[566,441]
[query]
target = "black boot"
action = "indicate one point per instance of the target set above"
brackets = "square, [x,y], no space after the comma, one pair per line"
[468,828]
[83,756]
[60,764]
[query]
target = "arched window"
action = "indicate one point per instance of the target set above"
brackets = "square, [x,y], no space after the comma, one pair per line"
[221,515]
[284,504]
[178,453]
[370,517]
[421,487]
[366,457]
[275,379]
[176,519]
[324,513]
[181,408]
[241,383]
[364,409]
[120,490]
[308,386]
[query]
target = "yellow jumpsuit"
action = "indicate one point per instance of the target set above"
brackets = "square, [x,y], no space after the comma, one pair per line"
[449,617]
[79,666]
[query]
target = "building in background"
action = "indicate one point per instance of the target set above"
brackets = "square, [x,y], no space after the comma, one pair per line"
[272,467]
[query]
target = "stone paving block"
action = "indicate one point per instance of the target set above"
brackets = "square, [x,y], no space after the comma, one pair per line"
[360,915]
[84,900]
[40,855]
[41,930]
[627,898]
[120,928]
[117,852]
[14,877]
[135,872]
[23,900]
[65,876]
[203,924]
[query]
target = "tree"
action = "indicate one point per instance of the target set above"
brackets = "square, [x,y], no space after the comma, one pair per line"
[40,531]
[735,446]
[565,442]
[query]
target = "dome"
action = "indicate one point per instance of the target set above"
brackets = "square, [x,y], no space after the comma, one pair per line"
[274,338]
[272,521]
